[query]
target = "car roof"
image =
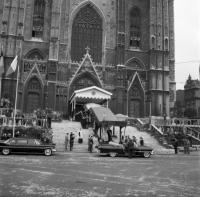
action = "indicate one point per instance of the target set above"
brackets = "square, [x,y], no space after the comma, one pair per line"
[20,138]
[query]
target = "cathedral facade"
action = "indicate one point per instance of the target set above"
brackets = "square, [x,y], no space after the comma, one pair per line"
[123,46]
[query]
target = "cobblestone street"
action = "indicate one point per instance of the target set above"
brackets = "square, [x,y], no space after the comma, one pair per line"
[88,175]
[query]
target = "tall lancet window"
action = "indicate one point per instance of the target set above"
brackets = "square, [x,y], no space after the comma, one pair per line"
[87,31]
[38,18]
[135,28]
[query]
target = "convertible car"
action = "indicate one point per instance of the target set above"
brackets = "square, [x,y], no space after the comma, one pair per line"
[120,150]
[24,145]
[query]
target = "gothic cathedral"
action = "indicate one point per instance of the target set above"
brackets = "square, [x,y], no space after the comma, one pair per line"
[123,46]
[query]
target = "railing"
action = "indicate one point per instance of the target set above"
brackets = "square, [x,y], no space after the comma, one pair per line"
[7,121]
[157,130]
[193,133]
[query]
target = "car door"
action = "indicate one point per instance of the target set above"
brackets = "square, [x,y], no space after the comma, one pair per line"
[11,145]
[35,146]
[21,146]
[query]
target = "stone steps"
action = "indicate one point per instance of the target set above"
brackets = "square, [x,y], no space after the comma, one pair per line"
[61,128]
[148,139]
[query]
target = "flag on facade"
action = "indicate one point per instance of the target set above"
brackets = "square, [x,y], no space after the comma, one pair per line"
[1,62]
[13,66]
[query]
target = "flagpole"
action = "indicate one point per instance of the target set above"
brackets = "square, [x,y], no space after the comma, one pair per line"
[16,94]
[2,65]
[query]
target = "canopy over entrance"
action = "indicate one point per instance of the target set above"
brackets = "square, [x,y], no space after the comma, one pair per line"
[91,94]
[105,115]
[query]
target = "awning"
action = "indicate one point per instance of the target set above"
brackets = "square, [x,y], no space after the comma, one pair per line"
[91,94]
[121,120]
[103,114]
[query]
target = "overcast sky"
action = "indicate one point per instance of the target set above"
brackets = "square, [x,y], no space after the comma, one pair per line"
[187,40]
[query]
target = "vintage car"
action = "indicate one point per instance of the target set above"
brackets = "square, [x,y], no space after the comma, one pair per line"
[26,145]
[114,149]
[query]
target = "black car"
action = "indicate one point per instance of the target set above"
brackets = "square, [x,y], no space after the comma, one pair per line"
[120,150]
[26,145]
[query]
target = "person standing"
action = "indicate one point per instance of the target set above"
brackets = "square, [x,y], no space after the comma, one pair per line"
[187,146]
[71,141]
[175,144]
[141,141]
[90,144]
[66,141]
[130,147]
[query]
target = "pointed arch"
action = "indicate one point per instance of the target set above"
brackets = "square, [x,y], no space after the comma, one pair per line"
[136,96]
[134,60]
[88,21]
[35,54]
[83,80]
[135,27]
[33,94]
[38,19]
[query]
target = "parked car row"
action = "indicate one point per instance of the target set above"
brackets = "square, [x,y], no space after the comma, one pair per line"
[26,145]
[33,146]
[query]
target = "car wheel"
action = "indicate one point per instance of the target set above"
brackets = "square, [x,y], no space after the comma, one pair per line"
[6,151]
[47,152]
[147,154]
[112,154]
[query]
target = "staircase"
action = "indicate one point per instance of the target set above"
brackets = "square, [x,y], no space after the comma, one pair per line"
[149,140]
[61,128]
[193,133]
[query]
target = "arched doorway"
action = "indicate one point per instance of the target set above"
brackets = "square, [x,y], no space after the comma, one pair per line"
[87,31]
[83,80]
[135,103]
[136,98]
[33,95]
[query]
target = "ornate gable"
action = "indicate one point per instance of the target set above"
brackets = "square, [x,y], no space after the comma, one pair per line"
[87,66]
[33,72]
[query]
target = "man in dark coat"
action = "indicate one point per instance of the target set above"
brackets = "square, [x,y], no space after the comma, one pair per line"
[175,144]
[130,147]
[71,141]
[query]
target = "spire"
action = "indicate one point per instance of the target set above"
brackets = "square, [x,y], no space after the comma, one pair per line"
[87,49]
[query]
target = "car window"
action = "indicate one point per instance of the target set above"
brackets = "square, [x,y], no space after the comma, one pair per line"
[31,141]
[12,141]
[37,142]
[21,141]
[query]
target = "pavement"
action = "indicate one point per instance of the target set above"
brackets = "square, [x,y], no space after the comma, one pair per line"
[73,174]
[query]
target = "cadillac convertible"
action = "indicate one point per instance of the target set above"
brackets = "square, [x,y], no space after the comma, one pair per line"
[114,149]
[26,145]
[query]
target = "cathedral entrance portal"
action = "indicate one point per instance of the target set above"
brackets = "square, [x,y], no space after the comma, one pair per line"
[84,80]
[135,106]
[135,98]
[33,95]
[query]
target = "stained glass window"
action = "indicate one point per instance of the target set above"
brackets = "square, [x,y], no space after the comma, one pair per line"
[135,23]
[87,31]
[38,19]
